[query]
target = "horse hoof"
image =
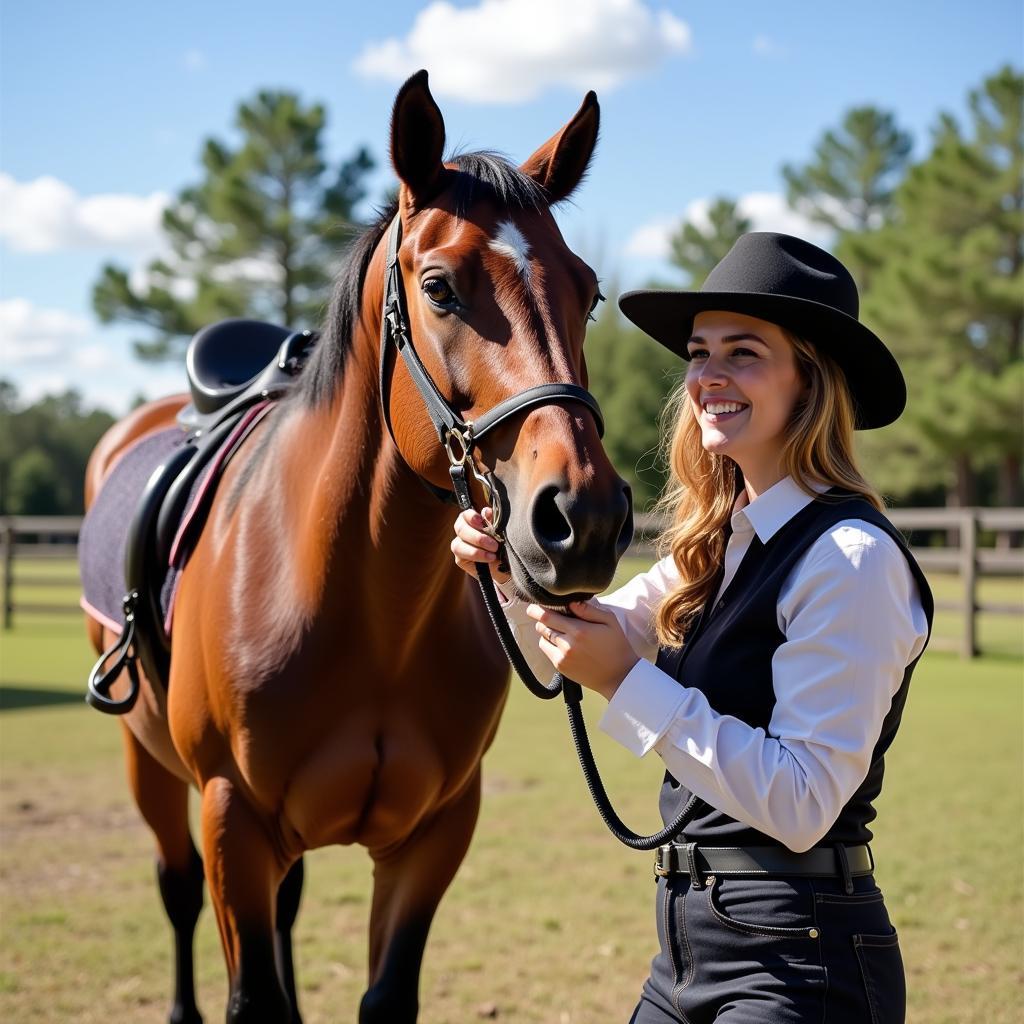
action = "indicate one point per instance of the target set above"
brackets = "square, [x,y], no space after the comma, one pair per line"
[182,1015]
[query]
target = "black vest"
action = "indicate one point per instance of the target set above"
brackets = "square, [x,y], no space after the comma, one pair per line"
[727,655]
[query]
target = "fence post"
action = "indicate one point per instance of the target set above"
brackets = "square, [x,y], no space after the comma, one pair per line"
[8,570]
[969,574]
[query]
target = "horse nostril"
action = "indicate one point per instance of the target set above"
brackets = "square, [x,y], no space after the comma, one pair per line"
[550,526]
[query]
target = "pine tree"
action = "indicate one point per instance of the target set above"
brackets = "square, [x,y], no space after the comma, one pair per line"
[631,375]
[849,184]
[695,251]
[946,289]
[259,236]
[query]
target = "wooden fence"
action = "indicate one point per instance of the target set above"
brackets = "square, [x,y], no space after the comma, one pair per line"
[31,539]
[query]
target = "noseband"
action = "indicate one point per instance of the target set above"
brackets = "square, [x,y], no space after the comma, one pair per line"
[456,435]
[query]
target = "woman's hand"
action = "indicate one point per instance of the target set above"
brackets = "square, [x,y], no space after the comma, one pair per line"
[471,545]
[589,646]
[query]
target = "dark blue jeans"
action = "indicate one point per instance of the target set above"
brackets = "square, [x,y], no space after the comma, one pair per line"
[773,951]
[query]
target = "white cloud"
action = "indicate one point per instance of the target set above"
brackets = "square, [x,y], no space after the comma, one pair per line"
[509,51]
[46,215]
[93,357]
[650,241]
[48,351]
[39,386]
[255,269]
[30,334]
[767,211]
[140,279]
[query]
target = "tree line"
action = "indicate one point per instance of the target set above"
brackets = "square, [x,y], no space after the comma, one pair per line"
[936,246]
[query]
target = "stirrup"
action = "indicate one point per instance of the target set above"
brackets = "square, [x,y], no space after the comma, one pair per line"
[100,682]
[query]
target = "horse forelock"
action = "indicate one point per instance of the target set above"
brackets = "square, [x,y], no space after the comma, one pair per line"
[483,176]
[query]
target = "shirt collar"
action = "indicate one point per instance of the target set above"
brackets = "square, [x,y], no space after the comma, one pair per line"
[771,509]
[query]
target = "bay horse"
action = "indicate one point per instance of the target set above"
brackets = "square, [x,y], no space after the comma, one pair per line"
[333,676]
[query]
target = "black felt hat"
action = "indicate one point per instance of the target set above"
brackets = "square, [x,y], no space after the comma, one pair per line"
[798,286]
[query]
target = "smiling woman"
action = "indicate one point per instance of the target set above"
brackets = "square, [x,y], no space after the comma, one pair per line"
[766,658]
[743,383]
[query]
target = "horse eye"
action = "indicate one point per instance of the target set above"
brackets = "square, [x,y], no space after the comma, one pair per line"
[597,298]
[438,291]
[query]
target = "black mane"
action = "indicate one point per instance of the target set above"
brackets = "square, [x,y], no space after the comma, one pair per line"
[478,176]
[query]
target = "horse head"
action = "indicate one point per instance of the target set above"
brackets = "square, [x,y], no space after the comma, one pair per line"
[496,304]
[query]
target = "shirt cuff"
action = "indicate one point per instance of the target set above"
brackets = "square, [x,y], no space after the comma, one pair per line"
[642,708]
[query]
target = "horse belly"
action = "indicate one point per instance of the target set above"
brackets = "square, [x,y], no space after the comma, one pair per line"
[369,786]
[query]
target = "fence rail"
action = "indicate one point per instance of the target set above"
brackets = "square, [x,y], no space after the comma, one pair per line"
[55,537]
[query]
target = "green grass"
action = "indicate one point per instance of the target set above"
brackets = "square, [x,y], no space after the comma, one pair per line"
[548,920]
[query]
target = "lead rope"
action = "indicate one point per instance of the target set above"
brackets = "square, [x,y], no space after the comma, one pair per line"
[571,691]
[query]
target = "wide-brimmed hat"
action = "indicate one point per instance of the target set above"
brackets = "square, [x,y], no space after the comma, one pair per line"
[798,286]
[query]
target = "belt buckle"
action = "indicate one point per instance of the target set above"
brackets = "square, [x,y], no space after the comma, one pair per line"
[663,861]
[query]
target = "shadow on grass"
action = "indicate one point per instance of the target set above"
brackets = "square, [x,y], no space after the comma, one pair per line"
[13,698]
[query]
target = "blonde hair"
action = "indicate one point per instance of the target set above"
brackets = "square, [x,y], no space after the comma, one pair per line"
[699,495]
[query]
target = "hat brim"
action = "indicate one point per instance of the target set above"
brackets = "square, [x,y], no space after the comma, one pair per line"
[875,380]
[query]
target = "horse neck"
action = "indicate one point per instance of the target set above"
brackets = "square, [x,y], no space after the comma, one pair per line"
[368,518]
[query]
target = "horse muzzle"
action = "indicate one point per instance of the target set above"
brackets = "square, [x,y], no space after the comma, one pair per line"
[566,544]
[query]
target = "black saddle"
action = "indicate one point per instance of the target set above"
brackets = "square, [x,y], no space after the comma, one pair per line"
[232,365]
[234,362]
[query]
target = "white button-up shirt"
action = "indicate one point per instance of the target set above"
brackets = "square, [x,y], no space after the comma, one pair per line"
[853,620]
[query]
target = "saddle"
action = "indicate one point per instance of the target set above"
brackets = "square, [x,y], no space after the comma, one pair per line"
[236,370]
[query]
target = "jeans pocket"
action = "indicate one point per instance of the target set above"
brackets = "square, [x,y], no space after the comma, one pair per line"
[881,968]
[770,908]
[855,899]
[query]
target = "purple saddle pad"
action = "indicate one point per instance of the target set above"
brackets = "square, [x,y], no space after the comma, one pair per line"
[104,534]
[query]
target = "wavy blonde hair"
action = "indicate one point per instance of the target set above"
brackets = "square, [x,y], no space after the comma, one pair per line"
[698,498]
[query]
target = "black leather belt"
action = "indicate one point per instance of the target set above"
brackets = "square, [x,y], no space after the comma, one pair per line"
[821,861]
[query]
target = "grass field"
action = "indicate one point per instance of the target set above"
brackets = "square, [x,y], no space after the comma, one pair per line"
[549,920]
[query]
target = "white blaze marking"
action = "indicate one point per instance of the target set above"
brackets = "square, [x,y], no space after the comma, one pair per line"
[511,243]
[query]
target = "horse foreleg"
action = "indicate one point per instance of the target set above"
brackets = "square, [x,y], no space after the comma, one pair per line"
[244,871]
[408,883]
[162,799]
[288,897]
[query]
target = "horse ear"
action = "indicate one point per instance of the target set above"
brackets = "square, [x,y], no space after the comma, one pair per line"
[417,138]
[559,165]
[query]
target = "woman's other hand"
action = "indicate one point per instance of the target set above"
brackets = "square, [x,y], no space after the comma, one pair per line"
[588,646]
[472,545]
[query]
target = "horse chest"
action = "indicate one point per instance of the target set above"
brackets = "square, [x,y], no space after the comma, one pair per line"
[373,779]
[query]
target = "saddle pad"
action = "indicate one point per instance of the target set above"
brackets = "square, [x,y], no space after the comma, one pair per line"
[103,538]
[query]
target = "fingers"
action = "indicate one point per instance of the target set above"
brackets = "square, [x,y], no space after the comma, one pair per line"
[552,636]
[563,623]
[470,527]
[471,545]
[590,611]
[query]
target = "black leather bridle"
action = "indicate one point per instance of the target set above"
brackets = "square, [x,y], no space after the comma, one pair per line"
[459,438]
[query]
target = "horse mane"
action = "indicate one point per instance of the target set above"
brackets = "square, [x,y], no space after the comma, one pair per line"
[477,177]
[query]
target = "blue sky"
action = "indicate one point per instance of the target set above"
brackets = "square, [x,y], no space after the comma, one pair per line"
[105,106]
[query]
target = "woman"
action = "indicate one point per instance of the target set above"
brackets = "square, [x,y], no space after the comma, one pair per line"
[766,658]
